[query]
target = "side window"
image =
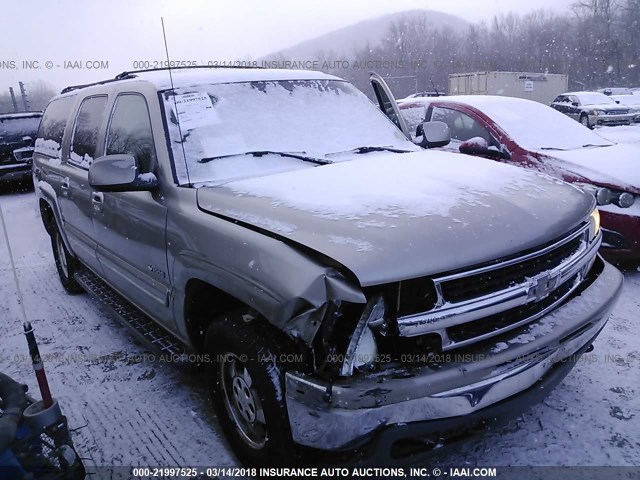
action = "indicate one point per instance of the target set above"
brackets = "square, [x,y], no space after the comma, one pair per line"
[461,125]
[85,133]
[413,116]
[130,131]
[52,125]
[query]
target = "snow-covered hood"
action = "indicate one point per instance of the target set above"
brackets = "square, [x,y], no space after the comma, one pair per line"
[388,217]
[607,107]
[615,165]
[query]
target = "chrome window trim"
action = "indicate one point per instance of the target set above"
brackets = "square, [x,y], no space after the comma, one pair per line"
[513,261]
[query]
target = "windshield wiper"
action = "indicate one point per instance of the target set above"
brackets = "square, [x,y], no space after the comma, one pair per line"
[260,153]
[367,149]
[594,145]
[554,148]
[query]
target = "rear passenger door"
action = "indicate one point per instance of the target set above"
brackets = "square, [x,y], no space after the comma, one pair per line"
[76,197]
[131,225]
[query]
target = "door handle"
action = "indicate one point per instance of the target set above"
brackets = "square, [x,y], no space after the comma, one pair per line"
[65,184]
[96,200]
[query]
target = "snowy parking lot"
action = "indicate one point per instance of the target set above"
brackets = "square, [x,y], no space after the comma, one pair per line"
[136,411]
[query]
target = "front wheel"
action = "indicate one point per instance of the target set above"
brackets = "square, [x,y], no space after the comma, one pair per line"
[246,384]
[584,120]
[66,264]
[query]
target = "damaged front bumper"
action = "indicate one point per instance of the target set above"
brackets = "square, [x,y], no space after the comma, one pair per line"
[347,413]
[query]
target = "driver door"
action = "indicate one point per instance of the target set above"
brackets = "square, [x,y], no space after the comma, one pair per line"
[131,226]
[387,103]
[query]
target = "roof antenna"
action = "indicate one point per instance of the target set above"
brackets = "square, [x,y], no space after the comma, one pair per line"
[175,105]
[434,87]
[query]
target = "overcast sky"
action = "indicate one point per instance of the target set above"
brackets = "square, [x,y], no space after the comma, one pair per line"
[120,32]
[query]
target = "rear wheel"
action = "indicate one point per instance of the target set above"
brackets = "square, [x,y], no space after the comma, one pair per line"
[66,264]
[246,384]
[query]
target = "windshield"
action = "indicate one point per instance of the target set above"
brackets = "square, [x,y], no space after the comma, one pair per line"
[307,118]
[535,126]
[595,99]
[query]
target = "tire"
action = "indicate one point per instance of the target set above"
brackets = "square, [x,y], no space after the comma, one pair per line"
[246,385]
[584,120]
[66,264]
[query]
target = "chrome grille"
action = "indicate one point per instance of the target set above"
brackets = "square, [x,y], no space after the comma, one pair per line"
[486,301]
[484,283]
[503,321]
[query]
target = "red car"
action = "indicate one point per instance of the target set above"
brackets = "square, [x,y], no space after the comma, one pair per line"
[533,135]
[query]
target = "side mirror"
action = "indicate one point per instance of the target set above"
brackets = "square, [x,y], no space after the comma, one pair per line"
[575,104]
[433,134]
[27,140]
[119,173]
[479,146]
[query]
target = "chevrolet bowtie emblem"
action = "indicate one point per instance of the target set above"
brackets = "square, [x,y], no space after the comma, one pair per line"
[542,285]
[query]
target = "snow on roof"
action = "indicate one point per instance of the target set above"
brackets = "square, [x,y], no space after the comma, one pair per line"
[627,99]
[583,92]
[186,77]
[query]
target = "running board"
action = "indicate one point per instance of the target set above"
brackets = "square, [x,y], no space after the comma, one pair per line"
[167,347]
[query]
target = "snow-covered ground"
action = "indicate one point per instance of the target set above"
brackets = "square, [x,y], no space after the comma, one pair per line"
[137,412]
[621,134]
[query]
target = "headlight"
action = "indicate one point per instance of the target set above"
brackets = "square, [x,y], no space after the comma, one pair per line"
[594,224]
[625,200]
[362,351]
[597,112]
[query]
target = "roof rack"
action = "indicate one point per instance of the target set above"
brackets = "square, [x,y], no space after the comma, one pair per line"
[76,87]
[132,74]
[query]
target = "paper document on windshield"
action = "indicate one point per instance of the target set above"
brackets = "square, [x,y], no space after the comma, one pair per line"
[195,110]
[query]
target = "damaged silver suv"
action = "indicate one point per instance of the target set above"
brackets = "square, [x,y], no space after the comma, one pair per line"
[344,287]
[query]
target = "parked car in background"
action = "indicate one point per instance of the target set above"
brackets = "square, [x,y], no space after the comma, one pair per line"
[17,135]
[632,102]
[532,135]
[429,93]
[615,90]
[339,282]
[593,108]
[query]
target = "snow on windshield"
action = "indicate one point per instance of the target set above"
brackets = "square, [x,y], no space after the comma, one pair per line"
[594,98]
[306,117]
[532,125]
